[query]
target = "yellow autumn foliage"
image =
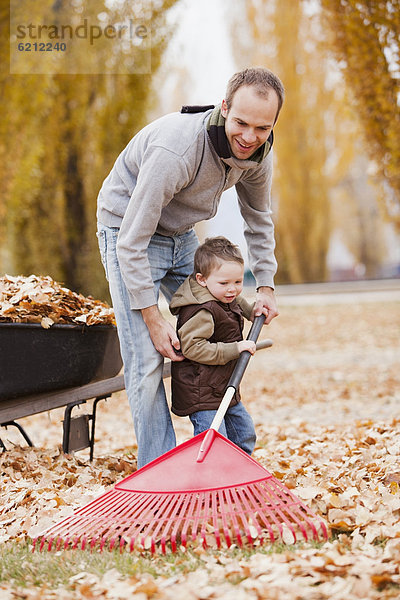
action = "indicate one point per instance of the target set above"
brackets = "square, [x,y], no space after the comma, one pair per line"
[365,38]
[282,37]
[59,136]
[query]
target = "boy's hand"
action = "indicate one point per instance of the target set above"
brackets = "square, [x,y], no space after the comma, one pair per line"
[247,345]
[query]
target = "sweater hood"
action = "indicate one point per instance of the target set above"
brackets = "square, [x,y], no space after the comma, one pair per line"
[190,292]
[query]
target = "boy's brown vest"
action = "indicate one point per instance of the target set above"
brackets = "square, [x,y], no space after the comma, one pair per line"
[196,386]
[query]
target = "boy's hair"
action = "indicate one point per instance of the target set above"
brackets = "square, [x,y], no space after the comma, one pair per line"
[212,252]
[262,79]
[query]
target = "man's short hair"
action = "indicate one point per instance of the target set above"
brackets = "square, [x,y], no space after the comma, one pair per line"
[212,252]
[262,79]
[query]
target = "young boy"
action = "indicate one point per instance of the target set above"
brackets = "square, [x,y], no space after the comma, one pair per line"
[210,325]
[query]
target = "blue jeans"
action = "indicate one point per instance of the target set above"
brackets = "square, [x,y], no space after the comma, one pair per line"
[237,426]
[171,261]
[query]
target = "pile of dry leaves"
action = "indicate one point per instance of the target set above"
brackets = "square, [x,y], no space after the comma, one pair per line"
[40,486]
[42,300]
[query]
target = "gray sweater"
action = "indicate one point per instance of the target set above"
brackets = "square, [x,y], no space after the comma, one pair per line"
[167,179]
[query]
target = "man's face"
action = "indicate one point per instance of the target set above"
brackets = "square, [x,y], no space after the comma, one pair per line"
[249,120]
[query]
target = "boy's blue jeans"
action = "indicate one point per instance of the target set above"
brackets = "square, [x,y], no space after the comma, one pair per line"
[171,261]
[237,426]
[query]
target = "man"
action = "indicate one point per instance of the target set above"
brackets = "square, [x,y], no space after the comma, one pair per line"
[169,177]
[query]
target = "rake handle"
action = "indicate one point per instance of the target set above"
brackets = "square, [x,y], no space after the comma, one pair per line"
[244,357]
[237,374]
[232,386]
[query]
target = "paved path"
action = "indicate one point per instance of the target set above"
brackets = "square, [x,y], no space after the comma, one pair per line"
[343,292]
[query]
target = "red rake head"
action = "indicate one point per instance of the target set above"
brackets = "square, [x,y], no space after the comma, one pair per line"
[227,497]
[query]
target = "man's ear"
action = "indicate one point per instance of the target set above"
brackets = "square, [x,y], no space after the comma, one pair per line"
[224,109]
[201,280]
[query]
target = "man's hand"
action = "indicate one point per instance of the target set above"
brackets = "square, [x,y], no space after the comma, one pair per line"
[265,304]
[162,333]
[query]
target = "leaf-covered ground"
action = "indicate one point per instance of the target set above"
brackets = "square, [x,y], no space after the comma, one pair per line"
[326,403]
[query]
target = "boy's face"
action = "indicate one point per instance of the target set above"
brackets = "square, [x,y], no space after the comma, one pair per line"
[225,282]
[249,120]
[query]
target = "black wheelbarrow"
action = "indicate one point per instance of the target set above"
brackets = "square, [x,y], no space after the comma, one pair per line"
[42,369]
[35,360]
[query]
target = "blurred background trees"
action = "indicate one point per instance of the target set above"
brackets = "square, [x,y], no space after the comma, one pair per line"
[58,140]
[318,185]
[304,131]
[365,37]
[336,147]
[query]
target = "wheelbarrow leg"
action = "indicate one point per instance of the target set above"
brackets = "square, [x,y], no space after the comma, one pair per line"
[77,434]
[93,418]
[20,429]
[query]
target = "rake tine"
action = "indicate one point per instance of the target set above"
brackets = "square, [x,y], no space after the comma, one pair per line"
[129,524]
[235,524]
[182,516]
[257,514]
[239,502]
[266,510]
[198,502]
[161,507]
[66,542]
[58,529]
[166,509]
[286,510]
[215,519]
[198,521]
[93,542]
[188,519]
[225,527]
[205,511]
[93,508]
[58,543]
[43,540]
[175,521]
[277,508]
[296,505]
[298,511]
[128,521]
[252,507]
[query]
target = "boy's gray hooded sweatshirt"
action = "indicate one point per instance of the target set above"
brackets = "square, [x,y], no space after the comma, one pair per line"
[168,178]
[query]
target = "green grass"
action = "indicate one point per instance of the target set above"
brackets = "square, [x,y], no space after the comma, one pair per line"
[27,569]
